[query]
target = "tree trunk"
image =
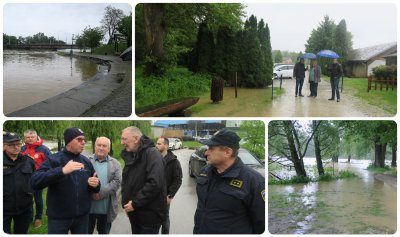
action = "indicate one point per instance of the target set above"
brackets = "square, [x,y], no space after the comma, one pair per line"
[394,157]
[93,143]
[380,151]
[348,159]
[318,151]
[59,144]
[154,27]
[297,161]
[335,158]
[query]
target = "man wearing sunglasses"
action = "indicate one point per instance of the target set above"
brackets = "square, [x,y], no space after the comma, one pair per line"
[17,192]
[71,179]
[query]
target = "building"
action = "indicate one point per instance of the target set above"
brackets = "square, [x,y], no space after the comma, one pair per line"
[360,62]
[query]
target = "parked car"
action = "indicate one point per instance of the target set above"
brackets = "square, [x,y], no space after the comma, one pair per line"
[198,160]
[175,143]
[286,71]
[278,64]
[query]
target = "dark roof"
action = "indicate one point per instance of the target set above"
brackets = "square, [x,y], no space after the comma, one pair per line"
[168,123]
[365,54]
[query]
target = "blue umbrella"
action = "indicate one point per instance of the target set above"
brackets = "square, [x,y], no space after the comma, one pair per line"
[309,55]
[328,54]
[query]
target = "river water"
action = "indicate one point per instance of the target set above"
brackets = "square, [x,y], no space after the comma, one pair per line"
[33,76]
[362,205]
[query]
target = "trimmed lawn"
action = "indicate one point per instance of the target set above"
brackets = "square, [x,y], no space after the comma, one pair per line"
[387,100]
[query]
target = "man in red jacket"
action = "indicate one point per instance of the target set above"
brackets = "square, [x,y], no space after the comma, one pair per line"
[35,149]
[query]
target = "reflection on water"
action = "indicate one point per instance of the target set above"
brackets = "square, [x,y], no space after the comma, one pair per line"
[347,206]
[33,76]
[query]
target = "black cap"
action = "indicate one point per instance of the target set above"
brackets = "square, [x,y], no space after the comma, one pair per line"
[223,137]
[71,133]
[10,137]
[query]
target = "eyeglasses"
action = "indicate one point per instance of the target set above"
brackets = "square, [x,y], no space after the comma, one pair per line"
[80,139]
[13,144]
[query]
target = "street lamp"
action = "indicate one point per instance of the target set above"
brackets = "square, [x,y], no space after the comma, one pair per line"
[72,43]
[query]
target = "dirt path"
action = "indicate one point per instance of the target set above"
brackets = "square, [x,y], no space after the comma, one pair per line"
[290,106]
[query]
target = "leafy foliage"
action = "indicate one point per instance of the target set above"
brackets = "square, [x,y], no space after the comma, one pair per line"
[90,37]
[253,132]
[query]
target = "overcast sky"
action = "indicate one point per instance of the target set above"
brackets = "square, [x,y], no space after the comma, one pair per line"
[58,20]
[291,24]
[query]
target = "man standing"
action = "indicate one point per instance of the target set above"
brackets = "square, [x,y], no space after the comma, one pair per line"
[299,74]
[173,172]
[71,179]
[17,192]
[35,149]
[231,196]
[143,183]
[104,208]
[336,72]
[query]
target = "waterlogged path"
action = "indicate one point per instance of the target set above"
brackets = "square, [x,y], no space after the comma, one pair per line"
[362,205]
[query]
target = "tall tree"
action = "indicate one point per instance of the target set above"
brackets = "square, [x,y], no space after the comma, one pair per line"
[278,57]
[111,19]
[203,52]
[266,49]
[317,146]
[90,37]
[342,41]
[125,28]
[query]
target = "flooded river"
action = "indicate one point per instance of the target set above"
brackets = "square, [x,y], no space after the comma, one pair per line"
[33,76]
[362,205]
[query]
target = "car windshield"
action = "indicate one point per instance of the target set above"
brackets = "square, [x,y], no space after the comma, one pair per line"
[248,158]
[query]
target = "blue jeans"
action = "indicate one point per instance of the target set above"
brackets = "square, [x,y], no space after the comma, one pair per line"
[103,227]
[335,87]
[299,85]
[77,225]
[38,203]
[21,222]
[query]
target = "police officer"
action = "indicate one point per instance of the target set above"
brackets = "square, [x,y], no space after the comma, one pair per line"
[17,192]
[231,196]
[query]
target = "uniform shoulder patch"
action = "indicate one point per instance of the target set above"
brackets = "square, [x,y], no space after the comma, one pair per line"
[203,174]
[263,195]
[236,183]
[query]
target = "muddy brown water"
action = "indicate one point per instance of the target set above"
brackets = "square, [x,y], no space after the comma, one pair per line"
[33,76]
[362,205]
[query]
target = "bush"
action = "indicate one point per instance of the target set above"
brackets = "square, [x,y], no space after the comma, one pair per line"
[383,71]
[175,83]
[187,138]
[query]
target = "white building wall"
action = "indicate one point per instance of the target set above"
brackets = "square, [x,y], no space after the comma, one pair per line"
[375,63]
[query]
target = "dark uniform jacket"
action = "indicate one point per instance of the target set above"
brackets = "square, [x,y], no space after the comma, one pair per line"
[143,182]
[68,196]
[232,202]
[17,191]
[299,70]
[173,172]
[335,70]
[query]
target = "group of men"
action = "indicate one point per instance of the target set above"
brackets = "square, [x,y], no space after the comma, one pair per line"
[335,71]
[82,192]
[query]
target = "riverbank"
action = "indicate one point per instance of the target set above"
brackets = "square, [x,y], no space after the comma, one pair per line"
[78,100]
[388,179]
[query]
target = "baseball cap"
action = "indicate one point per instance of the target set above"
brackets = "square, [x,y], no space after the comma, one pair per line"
[223,137]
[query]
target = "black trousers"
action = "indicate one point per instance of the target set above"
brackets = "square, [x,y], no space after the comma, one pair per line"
[21,222]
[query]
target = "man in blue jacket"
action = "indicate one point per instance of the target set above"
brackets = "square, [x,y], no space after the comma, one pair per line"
[71,179]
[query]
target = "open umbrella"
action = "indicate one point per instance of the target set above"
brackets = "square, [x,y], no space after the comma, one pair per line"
[309,55]
[328,54]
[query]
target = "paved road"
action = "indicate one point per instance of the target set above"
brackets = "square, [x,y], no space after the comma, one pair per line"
[290,106]
[183,205]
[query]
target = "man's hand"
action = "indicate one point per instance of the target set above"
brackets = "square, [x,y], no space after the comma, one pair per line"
[169,200]
[128,207]
[72,166]
[93,181]
[96,196]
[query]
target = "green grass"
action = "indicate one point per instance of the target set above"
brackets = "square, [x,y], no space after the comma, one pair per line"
[293,180]
[176,83]
[387,100]
[327,176]
[392,171]
[109,49]
[192,144]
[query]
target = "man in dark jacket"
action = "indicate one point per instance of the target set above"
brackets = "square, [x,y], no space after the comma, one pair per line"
[336,72]
[299,74]
[71,179]
[173,172]
[143,182]
[35,149]
[17,192]
[231,196]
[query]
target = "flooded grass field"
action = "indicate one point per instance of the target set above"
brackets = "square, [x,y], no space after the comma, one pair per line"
[360,205]
[33,76]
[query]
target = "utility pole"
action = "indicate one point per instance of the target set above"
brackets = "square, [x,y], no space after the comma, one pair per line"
[72,43]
